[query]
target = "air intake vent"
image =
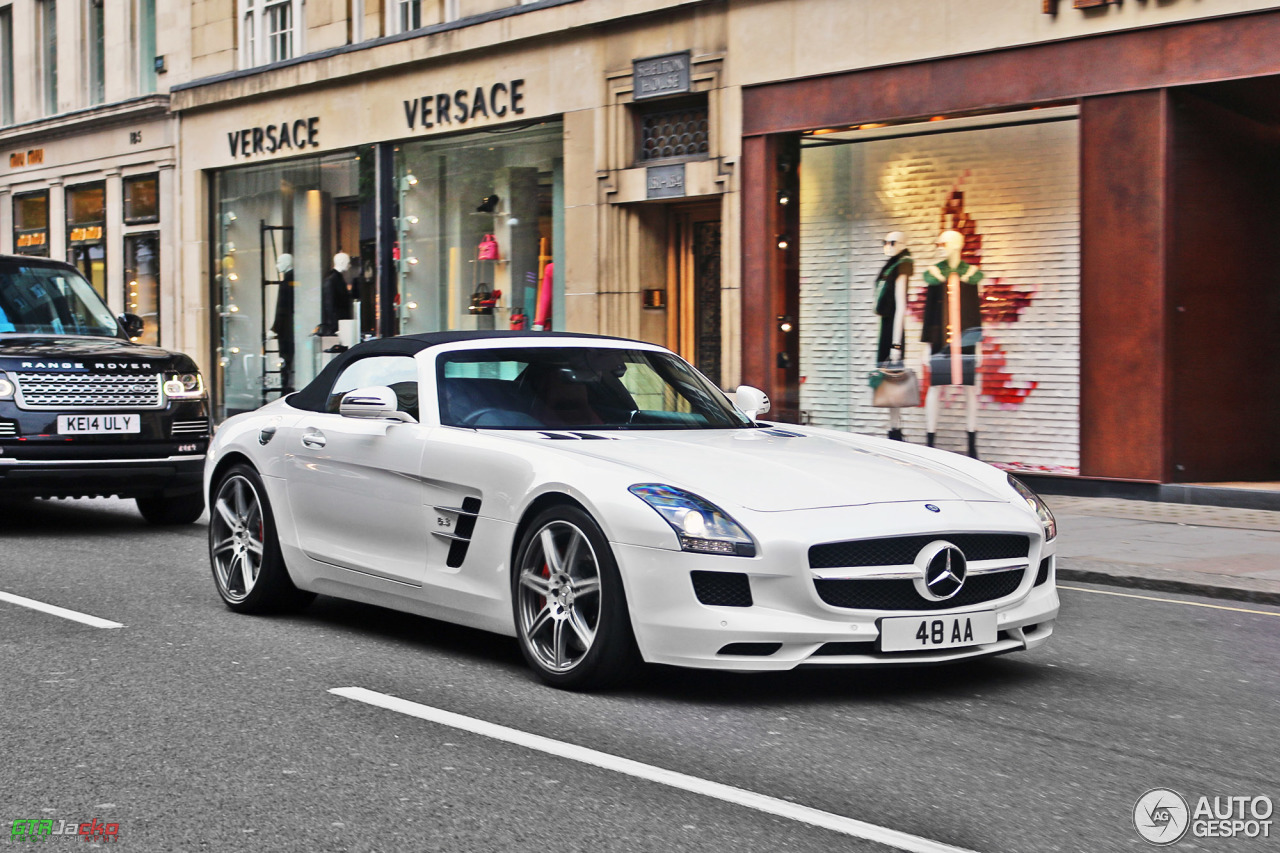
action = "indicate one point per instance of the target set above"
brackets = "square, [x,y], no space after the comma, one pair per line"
[722,589]
[464,525]
[8,428]
[1043,574]
[200,427]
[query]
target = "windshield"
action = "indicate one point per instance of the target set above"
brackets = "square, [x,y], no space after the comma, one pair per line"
[47,300]
[569,388]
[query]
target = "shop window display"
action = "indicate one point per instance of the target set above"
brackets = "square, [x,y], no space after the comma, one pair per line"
[477,222]
[990,217]
[278,228]
[87,233]
[31,223]
[142,283]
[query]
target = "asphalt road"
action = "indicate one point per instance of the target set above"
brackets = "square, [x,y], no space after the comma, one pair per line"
[196,728]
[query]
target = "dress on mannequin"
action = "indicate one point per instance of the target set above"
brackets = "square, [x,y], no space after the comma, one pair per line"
[283,324]
[335,296]
[900,264]
[938,331]
[891,305]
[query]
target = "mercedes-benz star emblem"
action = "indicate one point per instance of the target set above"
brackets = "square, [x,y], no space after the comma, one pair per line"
[944,568]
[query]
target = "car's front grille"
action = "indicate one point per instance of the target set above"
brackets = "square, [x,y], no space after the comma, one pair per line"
[200,427]
[39,391]
[900,593]
[902,550]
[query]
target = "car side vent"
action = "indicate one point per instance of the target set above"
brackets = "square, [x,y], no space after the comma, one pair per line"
[782,433]
[1043,574]
[463,526]
[562,436]
[591,437]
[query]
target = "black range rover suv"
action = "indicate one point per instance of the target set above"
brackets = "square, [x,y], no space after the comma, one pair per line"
[85,412]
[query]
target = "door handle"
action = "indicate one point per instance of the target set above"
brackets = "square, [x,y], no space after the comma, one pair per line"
[313,438]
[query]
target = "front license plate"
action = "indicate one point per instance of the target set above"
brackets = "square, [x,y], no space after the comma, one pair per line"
[924,633]
[98,424]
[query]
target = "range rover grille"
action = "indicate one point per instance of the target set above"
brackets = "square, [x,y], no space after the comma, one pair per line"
[39,391]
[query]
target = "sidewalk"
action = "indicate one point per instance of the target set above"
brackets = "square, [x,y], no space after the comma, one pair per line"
[1202,550]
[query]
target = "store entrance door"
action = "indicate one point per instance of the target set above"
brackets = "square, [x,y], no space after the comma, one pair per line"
[693,283]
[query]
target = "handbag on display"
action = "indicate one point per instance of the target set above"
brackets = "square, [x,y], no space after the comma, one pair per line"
[894,388]
[488,248]
[483,299]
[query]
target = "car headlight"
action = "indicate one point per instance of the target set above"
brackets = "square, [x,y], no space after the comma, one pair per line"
[184,386]
[1037,504]
[6,387]
[700,525]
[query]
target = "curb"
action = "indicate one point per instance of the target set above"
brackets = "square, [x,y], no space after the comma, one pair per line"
[1255,596]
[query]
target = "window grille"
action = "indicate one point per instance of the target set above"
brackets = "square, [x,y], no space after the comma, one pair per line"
[675,133]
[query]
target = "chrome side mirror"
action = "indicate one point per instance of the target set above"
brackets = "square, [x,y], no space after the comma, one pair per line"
[751,401]
[375,403]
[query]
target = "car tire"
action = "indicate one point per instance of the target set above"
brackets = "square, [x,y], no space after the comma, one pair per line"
[159,509]
[244,548]
[570,611]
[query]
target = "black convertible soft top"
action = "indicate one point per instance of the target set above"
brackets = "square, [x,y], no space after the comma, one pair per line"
[314,397]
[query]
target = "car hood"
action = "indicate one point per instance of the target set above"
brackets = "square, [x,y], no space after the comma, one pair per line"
[770,471]
[15,349]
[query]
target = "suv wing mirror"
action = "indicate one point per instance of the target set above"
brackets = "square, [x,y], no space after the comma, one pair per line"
[132,324]
[377,402]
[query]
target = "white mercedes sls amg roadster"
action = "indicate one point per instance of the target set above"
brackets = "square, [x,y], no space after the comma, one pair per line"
[604,503]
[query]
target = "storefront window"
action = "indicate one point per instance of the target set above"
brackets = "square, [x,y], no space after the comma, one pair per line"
[277,228]
[31,224]
[87,233]
[1011,192]
[142,283]
[477,221]
[141,199]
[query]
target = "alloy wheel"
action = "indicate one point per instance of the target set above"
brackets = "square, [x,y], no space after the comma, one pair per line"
[559,596]
[237,543]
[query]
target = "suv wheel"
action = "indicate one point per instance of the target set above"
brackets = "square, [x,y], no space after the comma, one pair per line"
[158,509]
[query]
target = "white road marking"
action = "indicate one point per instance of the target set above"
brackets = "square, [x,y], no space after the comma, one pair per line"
[727,793]
[1170,600]
[55,610]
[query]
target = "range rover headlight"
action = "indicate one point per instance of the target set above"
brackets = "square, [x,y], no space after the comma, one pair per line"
[184,386]
[700,525]
[1038,505]
[6,387]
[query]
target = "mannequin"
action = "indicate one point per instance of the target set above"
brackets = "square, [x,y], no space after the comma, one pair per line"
[952,332]
[283,324]
[891,305]
[335,295]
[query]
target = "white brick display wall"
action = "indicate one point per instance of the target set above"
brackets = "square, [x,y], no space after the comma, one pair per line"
[1021,186]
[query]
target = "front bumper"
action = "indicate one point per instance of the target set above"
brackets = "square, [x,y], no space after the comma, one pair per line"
[673,627]
[170,476]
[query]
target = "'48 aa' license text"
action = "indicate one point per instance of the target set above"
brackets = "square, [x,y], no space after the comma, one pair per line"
[913,633]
